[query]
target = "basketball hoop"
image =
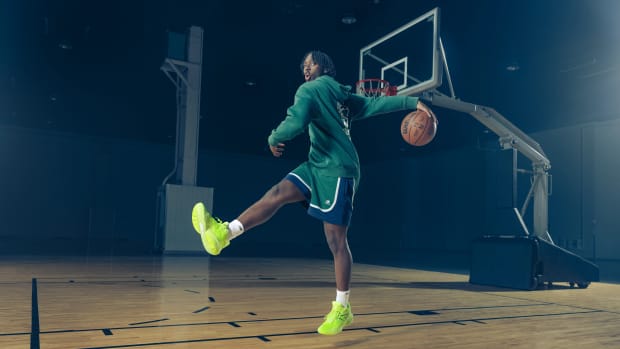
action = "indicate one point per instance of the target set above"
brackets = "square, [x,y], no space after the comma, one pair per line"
[374,88]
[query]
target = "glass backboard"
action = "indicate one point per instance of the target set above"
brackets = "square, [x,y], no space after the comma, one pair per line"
[408,57]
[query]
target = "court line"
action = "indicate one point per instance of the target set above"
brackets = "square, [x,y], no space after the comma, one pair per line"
[147,322]
[552,303]
[34,318]
[264,337]
[412,312]
[142,279]
[200,310]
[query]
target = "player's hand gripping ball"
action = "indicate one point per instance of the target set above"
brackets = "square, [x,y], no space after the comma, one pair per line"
[419,127]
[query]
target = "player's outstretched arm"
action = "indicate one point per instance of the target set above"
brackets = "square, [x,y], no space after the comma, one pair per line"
[363,107]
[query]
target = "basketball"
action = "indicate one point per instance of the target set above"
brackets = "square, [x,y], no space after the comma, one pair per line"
[418,128]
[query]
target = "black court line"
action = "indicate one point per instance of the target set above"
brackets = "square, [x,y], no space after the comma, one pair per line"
[200,310]
[16,334]
[551,303]
[149,322]
[259,337]
[424,312]
[94,281]
[34,322]
[281,319]
[191,291]
[374,328]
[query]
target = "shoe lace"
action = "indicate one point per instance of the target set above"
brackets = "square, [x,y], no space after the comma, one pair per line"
[333,315]
[342,315]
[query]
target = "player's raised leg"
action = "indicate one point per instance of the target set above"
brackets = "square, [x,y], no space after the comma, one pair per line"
[285,192]
[216,235]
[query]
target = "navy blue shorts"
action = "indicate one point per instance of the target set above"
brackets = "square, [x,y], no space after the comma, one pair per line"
[329,199]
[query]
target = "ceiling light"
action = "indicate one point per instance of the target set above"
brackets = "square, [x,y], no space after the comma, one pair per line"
[65,45]
[512,67]
[348,19]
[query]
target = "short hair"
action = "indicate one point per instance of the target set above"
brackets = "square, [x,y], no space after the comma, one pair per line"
[323,60]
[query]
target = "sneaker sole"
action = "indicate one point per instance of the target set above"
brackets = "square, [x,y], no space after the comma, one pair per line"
[200,217]
[349,321]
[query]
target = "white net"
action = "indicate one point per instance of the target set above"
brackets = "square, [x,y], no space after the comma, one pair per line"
[373,88]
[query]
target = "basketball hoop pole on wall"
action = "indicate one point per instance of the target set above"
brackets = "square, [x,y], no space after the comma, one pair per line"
[183,67]
[179,191]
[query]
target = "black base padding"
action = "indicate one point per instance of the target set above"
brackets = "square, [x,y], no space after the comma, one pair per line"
[526,263]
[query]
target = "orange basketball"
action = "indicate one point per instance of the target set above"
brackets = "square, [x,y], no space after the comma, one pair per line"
[418,128]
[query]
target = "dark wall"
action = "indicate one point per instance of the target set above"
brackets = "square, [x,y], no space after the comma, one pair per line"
[68,194]
[416,208]
[584,191]
[583,214]
[82,195]
[73,194]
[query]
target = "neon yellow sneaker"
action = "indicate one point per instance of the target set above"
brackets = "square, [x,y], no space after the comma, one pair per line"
[213,232]
[339,317]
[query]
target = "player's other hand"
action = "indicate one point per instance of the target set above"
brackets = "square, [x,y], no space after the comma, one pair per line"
[277,150]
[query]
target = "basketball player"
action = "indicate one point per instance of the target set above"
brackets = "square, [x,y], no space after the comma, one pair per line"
[326,183]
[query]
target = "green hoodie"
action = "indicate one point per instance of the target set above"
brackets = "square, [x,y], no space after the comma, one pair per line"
[326,108]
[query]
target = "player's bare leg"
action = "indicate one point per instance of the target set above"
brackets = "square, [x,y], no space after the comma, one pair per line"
[285,192]
[336,236]
[216,235]
[340,314]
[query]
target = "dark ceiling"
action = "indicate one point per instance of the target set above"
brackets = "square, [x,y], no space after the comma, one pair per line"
[92,67]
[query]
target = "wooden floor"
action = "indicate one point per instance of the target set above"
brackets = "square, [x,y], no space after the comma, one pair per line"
[201,302]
